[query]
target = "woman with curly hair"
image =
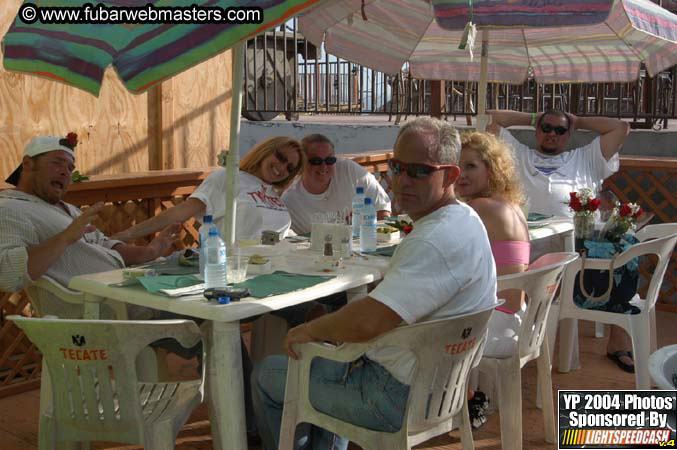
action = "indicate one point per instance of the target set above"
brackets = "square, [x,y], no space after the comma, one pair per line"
[265,171]
[488,183]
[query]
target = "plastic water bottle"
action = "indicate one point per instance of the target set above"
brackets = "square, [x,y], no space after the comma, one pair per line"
[358,206]
[215,268]
[368,227]
[202,239]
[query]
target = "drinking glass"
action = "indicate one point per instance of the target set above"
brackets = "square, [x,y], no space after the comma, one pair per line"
[236,268]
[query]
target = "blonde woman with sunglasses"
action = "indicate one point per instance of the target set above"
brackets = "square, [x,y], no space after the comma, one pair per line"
[266,169]
[328,185]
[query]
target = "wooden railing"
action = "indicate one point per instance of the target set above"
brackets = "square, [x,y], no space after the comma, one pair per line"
[132,198]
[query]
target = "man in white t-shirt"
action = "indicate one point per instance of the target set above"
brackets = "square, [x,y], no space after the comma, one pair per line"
[328,185]
[442,268]
[550,172]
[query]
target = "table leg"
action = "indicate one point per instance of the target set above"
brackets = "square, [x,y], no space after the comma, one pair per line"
[92,309]
[225,387]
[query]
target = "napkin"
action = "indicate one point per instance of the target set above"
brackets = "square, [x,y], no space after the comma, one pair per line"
[383,251]
[160,282]
[534,217]
[280,282]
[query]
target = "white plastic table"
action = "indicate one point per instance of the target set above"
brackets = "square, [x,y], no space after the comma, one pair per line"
[225,389]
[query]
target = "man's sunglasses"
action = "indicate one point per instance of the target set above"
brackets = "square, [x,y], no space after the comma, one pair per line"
[416,171]
[559,131]
[283,159]
[317,161]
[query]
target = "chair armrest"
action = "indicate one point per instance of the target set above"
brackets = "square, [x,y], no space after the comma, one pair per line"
[345,352]
[186,332]
[63,293]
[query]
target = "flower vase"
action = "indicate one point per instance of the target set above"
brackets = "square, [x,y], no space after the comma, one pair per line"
[584,227]
[616,232]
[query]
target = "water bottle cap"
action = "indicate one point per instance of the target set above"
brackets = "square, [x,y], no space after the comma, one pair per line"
[359,190]
[367,201]
[213,231]
[207,219]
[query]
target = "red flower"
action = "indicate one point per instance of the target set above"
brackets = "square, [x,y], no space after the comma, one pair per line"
[575,203]
[638,213]
[594,204]
[72,139]
[625,210]
[407,229]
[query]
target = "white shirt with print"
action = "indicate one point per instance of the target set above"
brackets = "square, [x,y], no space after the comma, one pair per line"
[259,207]
[338,196]
[548,180]
[443,268]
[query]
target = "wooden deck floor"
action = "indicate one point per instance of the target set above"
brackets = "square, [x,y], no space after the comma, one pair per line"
[19,413]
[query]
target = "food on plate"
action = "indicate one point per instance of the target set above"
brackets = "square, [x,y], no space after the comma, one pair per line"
[387,230]
[401,225]
[258,259]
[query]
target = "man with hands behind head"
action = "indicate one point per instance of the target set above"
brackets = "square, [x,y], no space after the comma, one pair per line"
[550,172]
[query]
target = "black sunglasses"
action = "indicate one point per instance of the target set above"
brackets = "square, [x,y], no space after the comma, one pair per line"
[559,131]
[416,171]
[283,159]
[317,161]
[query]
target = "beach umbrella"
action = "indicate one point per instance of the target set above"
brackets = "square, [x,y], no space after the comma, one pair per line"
[564,41]
[175,36]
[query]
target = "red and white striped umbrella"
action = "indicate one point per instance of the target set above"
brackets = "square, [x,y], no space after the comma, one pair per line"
[564,41]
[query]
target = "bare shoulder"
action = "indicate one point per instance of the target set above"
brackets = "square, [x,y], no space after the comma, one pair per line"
[490,208]
[502,219]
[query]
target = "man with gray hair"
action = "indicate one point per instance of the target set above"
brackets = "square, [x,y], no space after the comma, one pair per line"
[443,268]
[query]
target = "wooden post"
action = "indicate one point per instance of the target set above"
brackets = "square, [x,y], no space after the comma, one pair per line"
[160,127]
[437,98]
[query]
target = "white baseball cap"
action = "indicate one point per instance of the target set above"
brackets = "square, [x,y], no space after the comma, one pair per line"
[38,146]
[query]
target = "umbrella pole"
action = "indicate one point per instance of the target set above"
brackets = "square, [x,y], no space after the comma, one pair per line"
[232,162]
[482,117]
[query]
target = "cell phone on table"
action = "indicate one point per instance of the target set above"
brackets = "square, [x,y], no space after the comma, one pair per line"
[226,295]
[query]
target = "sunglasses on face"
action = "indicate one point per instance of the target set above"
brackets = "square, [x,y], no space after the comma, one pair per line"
[415,171]
[283,159]
[317,161]
[559,131]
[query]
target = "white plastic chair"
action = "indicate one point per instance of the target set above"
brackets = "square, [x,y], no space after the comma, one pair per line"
[648,232]
[51,298]
[640,327]
[437,394]
[99,396]
[663,367]
[539,283]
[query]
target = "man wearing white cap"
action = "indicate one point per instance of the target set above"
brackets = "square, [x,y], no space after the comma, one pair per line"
[41,234]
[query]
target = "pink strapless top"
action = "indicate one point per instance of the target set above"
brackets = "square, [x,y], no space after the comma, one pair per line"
[507,253]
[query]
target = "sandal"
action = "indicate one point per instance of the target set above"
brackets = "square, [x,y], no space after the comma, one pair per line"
[616,357]
[477,408]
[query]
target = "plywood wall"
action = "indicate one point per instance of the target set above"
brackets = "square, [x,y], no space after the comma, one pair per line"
[113,128]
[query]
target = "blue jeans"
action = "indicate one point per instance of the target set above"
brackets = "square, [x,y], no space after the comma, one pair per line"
[362,393]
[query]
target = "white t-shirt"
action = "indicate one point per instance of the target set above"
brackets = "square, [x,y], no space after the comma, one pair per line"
[443,268]
[259,207]
[338,196]
[548,180]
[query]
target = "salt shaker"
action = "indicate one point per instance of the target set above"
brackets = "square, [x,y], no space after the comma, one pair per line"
[346,251]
